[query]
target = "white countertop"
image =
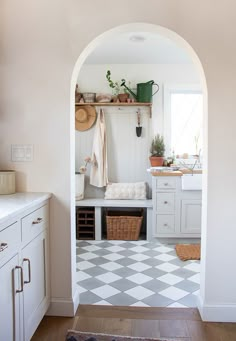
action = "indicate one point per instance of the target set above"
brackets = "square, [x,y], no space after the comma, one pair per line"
[13,204]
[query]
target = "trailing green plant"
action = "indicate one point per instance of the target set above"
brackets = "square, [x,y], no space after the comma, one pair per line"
[114,85]
[157,146]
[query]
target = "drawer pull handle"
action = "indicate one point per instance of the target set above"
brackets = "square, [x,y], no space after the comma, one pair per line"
[165,224]
[3,246]
[165,202]
[37,221]
[166,184]
[21,279]
[29,270]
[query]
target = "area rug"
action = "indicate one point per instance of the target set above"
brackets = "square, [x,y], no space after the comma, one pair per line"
[188,251]
[73,335]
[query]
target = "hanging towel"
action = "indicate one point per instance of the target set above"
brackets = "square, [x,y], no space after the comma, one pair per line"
[98,173]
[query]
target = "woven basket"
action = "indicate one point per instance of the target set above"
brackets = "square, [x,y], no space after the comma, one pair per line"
[123,227]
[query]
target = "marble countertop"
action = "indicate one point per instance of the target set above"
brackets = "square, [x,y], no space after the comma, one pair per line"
[14,204]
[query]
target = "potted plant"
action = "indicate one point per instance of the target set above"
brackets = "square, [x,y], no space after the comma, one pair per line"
[116,88]
[157,151]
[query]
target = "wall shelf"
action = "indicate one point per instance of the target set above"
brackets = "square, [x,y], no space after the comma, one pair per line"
[119,104]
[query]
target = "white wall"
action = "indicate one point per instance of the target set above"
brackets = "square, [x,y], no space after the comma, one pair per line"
[40,43]
[128,154]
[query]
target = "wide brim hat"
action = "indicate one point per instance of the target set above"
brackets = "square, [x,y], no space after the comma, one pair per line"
[85,116]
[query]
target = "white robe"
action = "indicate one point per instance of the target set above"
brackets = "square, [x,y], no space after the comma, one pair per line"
[98,173]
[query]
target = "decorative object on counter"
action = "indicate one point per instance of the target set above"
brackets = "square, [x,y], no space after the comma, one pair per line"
[144,91]
[188,251]
[157,151]
[7,182]
[103,98]
[77,94]
[89,97]
[85,117]
[138,128]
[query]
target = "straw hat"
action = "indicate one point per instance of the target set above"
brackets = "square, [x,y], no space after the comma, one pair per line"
[85,117]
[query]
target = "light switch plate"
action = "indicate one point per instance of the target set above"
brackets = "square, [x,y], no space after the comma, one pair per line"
[21,152]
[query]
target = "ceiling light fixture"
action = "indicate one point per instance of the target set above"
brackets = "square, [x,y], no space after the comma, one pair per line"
[137,38]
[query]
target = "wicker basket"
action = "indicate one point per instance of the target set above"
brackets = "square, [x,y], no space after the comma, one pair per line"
[123,227]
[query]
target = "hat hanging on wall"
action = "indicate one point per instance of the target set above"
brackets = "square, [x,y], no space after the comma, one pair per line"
[85,117]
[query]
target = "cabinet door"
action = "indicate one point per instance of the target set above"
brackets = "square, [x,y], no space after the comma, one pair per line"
[191,211]
[35,294]
[10,275]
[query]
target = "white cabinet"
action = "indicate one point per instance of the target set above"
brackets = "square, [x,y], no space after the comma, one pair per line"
[24,275]
[191,212]
[176,213]
[10,275]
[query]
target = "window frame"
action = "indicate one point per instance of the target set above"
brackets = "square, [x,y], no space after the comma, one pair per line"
[185,88]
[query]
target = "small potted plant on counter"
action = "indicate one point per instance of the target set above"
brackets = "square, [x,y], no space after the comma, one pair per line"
[157,151]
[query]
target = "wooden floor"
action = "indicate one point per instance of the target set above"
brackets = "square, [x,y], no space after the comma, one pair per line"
[174,323]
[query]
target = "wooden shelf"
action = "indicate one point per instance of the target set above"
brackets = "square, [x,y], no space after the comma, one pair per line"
[117,104]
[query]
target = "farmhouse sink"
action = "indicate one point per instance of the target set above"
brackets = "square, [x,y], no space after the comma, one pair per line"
[191,182]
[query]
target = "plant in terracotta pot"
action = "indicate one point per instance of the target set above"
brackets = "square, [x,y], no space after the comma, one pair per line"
[157,151]
[116,89]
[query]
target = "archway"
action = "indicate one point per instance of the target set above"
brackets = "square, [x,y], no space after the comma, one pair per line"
[137,27]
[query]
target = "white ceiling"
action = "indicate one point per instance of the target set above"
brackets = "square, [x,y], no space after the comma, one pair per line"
[155,49]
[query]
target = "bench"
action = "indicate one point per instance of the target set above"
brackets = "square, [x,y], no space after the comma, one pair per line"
[99,203]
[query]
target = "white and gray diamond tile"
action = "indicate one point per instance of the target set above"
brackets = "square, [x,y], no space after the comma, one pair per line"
[139,292]
[105,291]
[121,299]
[135,273]
[115,248]
[139,257]
[167,267]
[139,304]
[108,277]
[163,249]
[139,249]
[170,279]
[173,293]
[85,265]
[157,300]
[88,255]
[139,266]
[139,278]
[113,256]
[111,266]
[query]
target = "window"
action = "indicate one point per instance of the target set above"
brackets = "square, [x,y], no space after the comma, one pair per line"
[183,121]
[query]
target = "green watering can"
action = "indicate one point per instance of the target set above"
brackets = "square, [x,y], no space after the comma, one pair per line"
[144,91]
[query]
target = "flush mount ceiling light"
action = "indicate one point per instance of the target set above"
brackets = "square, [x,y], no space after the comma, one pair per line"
[137,38]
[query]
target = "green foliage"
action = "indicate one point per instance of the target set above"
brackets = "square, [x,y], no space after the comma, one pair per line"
[157,146]
[114,85]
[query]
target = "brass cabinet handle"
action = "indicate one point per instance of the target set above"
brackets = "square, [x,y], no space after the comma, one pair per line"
[29,270]
[21,279]
[37,221]
[3,246]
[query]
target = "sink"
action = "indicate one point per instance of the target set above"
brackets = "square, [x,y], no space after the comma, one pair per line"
[191,182]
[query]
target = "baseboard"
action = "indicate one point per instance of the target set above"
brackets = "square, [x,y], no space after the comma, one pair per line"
[217,313]
[64,307]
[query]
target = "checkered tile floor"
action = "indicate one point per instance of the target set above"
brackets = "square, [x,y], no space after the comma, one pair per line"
[135,273]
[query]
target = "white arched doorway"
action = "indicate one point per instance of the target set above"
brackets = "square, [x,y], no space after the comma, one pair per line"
[137,27]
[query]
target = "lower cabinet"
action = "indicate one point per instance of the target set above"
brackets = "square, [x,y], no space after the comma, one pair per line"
[191,212]
[24,276]
[10,295]
[176,213]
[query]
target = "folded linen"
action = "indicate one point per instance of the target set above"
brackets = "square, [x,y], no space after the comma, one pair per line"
[136,190]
